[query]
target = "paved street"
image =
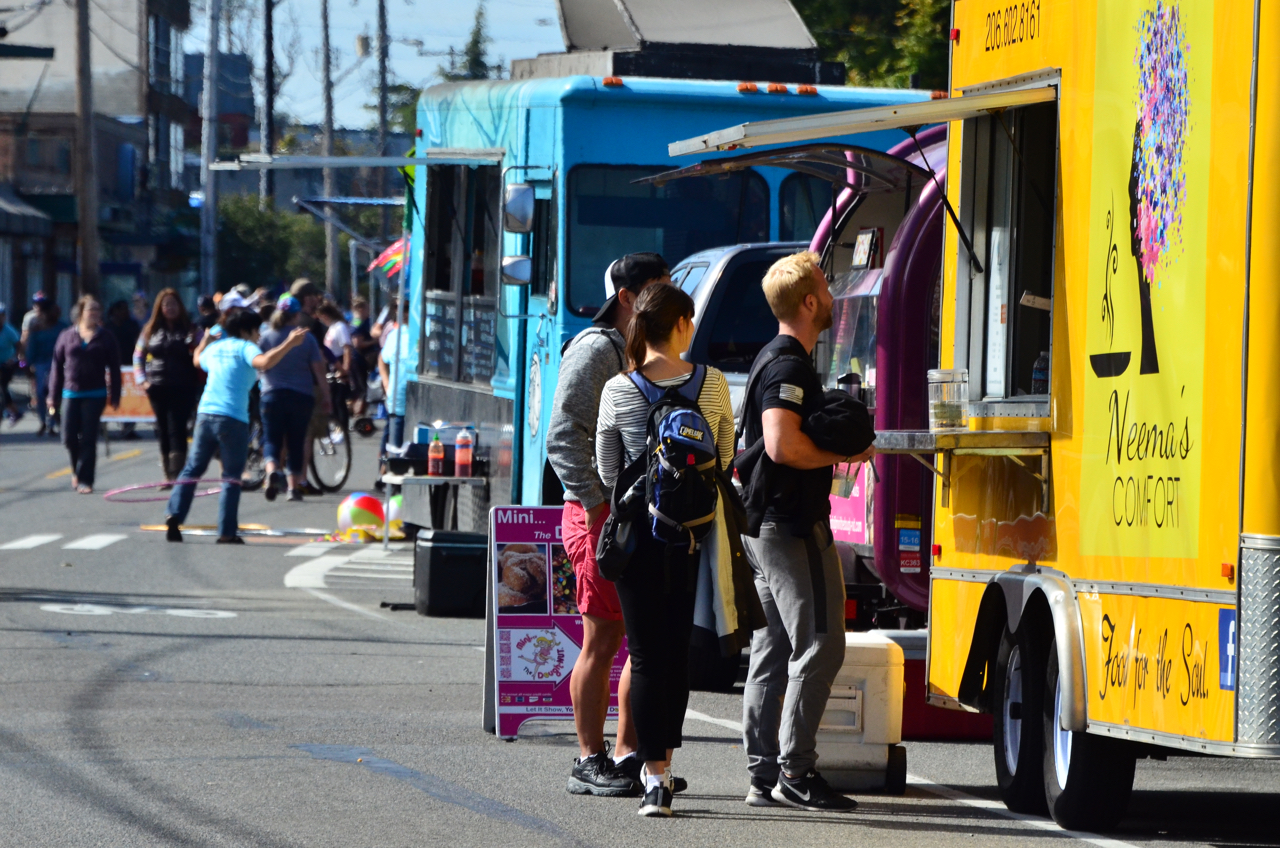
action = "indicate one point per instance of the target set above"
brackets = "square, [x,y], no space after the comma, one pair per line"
[158,694]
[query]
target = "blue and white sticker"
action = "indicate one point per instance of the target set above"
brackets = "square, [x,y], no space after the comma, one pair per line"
[1227,653]
[908,540]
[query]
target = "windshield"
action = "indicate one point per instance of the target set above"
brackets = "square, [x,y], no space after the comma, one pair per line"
[610,217]
[742,322]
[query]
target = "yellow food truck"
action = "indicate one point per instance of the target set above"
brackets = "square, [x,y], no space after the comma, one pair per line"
[1106,573]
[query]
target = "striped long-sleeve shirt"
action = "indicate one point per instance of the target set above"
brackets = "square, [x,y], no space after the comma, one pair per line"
[620,427]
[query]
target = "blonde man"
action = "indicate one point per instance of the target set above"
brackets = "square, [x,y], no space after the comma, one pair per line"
[797,570]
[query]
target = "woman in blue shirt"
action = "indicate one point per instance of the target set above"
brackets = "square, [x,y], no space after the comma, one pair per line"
[222,418]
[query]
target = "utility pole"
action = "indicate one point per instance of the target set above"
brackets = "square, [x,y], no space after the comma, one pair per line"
[326,149]
[267,132]
[86,157]
[383,48]
[208,151]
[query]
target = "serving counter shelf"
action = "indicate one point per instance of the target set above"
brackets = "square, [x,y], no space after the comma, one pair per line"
[1014,444]
[443,510]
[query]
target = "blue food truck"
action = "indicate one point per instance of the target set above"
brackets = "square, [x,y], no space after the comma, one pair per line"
[511,238]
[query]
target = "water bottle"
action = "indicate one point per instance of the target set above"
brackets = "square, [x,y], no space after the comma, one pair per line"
[1040,374]
[462,453]
[435,457]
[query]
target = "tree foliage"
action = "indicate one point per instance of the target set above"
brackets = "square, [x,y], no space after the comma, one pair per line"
[883,42]
[266,247]
[472,61]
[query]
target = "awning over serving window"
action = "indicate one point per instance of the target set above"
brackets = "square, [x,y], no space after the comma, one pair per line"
[858,168]
[832,124]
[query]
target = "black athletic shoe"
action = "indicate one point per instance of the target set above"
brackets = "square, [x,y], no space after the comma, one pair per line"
[657,801]
[173,532]
[597,775]
[230,540]
[761,794]
[275,482]
[811,793]
[632,766]
[295,494]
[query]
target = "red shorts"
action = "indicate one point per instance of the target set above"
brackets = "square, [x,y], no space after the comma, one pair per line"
[596,596]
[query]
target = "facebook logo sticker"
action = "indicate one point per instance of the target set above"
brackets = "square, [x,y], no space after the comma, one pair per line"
[1227,649]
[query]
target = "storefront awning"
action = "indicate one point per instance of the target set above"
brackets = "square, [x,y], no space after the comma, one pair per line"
[858,168]
[19,218]
[834,124]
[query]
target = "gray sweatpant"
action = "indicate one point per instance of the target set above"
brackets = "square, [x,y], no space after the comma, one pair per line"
[795,659]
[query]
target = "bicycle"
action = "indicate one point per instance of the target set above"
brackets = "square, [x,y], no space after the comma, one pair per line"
[331,453]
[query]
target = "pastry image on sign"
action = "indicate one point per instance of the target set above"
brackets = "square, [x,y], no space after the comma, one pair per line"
[522,579]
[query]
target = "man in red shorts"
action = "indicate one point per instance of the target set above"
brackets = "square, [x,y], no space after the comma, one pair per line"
[590,359]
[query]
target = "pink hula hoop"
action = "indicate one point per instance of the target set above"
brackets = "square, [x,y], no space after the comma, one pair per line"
[114,496]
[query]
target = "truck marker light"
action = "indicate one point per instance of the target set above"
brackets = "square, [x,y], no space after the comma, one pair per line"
[955,35]
[613,82]
[1229,571]
[777,88]
[747,88]
[806,89]
[936,550]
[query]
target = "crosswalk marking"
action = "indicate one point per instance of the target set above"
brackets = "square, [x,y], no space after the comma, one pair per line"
[337,572]
[312,549]
[310,574]
[95,542]
[28,542]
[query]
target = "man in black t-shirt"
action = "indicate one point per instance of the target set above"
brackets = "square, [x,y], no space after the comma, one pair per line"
[797,570]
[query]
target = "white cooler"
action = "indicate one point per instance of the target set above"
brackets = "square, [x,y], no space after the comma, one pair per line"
[862,726]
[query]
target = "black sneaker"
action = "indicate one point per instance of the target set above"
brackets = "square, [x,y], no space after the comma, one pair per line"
[275,482]
[597,775]
[230,540]
[632,766]
[173,532]
[295,494]
[811,793]
[760,794]
[657,801]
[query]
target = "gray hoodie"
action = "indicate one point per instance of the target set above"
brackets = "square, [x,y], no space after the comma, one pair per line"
[595,355]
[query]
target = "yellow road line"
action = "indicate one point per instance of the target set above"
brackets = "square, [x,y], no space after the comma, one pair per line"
[55,475]
[127,455]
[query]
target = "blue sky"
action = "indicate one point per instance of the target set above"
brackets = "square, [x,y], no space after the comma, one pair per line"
[519,28]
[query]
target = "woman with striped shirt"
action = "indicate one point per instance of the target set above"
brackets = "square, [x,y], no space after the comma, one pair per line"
[657,590]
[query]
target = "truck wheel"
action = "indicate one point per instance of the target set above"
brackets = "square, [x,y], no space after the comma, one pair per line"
[1018,733]
[895,776]
[1087,778]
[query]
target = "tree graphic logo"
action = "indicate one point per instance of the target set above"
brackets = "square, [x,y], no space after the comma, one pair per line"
[1157,175]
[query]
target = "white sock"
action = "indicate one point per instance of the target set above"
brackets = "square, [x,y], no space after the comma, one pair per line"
[652,780]
[617,761]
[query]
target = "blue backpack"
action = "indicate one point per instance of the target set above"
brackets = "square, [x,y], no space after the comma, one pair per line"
[680,479]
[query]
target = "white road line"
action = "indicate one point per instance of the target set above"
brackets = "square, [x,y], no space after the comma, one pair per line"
[338,602]
[364,574]
[310,574]
[312,549]
[1001,810]
[96,542]
[355,566]
[958,796]
[28,542]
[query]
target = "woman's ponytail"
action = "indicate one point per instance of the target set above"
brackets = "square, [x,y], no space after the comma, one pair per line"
[658,310]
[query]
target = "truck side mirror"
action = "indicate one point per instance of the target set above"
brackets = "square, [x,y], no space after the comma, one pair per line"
[517,215]
[517,270]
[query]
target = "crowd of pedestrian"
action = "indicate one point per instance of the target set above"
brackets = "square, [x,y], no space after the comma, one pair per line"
[76,377]
[642,441]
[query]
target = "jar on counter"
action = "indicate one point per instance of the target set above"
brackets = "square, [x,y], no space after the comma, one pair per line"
[948,398]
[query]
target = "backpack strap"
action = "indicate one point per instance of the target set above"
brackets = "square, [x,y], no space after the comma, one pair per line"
[757,368]
[595,331]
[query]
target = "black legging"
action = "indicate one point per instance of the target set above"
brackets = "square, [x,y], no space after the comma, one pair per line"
[657,594]
[172,406]
[81,418]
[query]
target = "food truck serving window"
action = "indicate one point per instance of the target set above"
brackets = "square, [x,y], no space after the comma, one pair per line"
[460,274]
[1009,162]
[610,216]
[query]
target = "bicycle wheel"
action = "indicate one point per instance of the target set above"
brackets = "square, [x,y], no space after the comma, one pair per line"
[331,458]
[255,466]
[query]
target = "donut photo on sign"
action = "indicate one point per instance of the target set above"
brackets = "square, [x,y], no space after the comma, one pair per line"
[522,579]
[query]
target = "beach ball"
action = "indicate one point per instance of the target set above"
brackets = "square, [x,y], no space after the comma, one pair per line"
[394,522]
[359,509]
